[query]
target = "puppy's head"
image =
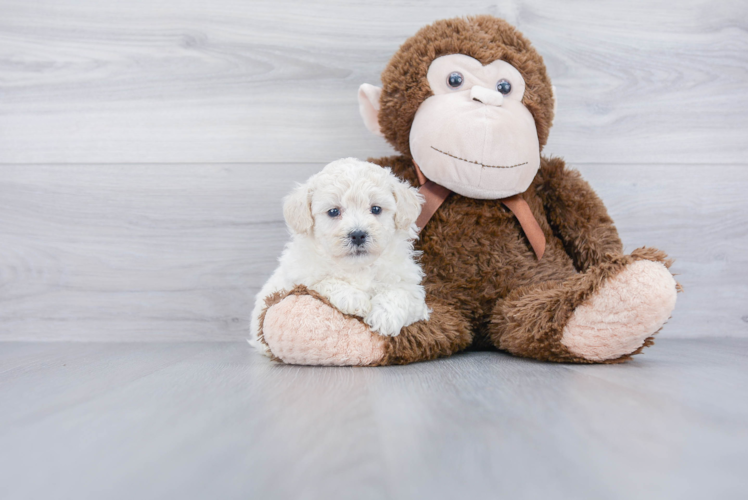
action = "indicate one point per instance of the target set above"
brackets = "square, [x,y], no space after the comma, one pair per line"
[353,209]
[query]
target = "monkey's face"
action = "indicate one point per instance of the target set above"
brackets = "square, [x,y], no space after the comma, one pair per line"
[474,135]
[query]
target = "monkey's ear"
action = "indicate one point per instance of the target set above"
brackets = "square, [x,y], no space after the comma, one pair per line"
[409,202]
[297,210]
[368,106]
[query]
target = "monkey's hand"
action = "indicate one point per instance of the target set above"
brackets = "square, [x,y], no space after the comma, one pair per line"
[301,327]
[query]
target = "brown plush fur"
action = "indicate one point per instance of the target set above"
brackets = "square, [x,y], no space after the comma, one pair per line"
[441,336]
[530,321]
[476,257]
[478,260]
[485,38]
[270,301]
[483,281]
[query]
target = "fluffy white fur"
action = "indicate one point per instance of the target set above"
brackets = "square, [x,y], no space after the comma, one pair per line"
[378,281]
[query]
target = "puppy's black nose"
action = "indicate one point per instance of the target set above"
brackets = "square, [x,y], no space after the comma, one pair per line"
[358,237]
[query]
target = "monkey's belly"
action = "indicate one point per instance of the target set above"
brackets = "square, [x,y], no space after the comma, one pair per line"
[475,253]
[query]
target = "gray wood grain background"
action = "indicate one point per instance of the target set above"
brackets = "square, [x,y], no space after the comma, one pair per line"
[145,146]
[197,420]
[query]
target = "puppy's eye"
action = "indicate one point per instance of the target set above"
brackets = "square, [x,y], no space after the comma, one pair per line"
[376,210]
[333,212]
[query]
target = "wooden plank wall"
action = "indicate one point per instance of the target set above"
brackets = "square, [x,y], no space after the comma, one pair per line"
[145,146]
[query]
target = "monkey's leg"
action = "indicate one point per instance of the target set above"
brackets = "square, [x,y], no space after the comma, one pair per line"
[302,327]
[604,315]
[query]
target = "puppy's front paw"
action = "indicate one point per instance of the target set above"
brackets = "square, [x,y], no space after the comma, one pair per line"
[384,319]
[353,302]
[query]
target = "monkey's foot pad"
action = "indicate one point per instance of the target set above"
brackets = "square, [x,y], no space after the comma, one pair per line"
[302,330]
[627,310]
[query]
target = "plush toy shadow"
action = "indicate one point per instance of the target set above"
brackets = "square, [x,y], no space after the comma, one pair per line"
[519,252]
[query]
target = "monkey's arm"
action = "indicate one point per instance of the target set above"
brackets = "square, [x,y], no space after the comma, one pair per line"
[576,214]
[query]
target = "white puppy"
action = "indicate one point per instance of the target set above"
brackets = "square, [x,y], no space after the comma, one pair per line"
[352,228]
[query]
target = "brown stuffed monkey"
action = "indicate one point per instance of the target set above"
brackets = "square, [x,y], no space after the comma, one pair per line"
[519,252]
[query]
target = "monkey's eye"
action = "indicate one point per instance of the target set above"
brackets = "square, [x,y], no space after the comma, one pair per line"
[455,79]
[504,87]
[333,212]
[376,210]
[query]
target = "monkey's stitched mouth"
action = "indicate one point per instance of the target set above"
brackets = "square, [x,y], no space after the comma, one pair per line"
[477,162]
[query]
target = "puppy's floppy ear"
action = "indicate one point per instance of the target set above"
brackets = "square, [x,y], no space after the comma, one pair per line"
[409,202]
[297,210]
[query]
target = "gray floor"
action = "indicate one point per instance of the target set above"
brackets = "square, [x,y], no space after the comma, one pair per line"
[214,420]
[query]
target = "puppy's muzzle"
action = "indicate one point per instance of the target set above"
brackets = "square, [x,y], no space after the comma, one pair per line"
[358,237]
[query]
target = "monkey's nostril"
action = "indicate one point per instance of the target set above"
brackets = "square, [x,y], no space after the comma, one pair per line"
[486,96]
[358,237]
